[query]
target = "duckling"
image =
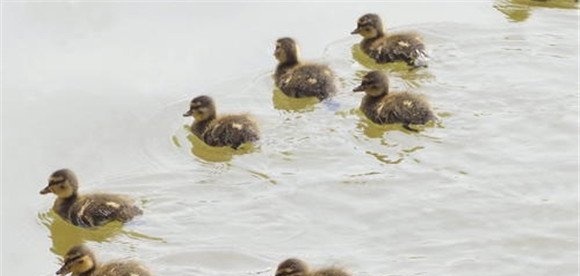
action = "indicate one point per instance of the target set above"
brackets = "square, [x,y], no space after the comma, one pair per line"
[228,130]
[383,48]
[297,79]
[382,107]
[89,210]
[296,267]
[80,261]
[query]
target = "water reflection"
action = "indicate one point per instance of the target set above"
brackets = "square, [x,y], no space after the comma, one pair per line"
[366,61]
[209,153]
[520,10]
[65,235]
[283,102]
[373,130]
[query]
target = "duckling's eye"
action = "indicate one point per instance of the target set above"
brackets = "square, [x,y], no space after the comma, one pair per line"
[80,261]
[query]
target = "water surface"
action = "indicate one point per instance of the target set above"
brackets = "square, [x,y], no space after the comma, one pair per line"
[100,88]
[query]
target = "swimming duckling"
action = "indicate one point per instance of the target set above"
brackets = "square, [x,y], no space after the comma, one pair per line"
[228,130]
[87,210]
[80,261]
[383,48]
[296,267]
[297,79]
[382,107]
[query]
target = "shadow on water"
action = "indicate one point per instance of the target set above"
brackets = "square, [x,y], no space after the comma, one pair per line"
[520,10]
[65,235]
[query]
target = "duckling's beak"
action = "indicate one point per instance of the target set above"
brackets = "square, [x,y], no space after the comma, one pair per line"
[359,88]
[63,270]
[46,190]
[188,113]
[356,31]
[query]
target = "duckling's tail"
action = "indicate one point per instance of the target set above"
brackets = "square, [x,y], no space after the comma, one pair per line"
[130,212]
[419,57]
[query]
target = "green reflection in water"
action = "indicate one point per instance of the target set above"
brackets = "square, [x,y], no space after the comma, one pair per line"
[283,102]
[376,131]
[366,61]
[215,154]
[65,235]
[520,10]
[373,130]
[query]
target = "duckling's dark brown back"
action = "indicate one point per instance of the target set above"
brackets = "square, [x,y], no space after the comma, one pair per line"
[98,209]
[405,108]
[330,272]
[231,130]
[406,47]
[130,268]
[309,80]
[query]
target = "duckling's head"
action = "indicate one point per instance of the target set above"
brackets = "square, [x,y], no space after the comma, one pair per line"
[63,183]
[201,108]
[77,260]
[369,25]
[374,83]
[287,51]
[292,267]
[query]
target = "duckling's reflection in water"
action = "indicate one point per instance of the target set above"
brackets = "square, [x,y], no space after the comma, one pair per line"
[283,102]
[390,152]
[520,10]
[65,235]
[216,154]
[373,130]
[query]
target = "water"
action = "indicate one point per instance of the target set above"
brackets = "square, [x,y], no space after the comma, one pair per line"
[100,88]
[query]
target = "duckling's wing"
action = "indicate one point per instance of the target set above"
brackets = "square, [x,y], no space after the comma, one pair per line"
[98,209]
[231,130]
[407,108]
[407,47]
[309,80]
[330,272]
[119,268]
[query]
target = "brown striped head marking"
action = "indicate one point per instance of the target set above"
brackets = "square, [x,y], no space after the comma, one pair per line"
[287,50]
[369,25]
[79,259]
[374,83]
[292,267]
[62,183]
[201,108]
